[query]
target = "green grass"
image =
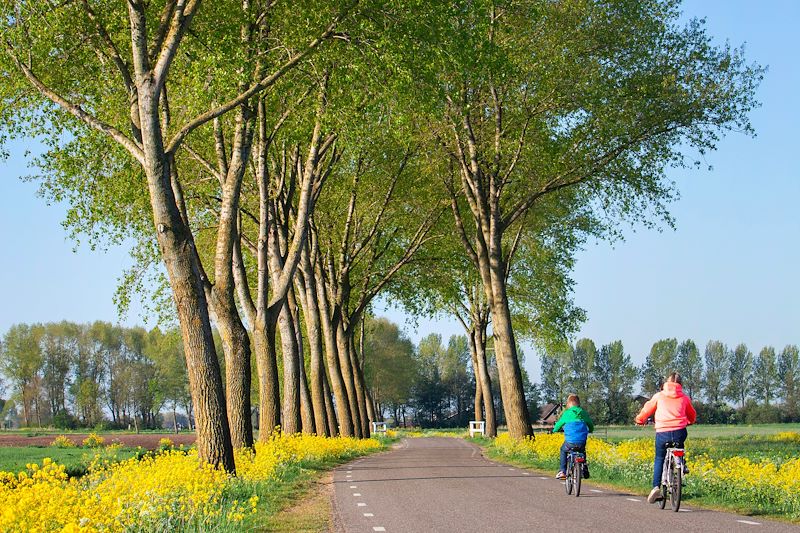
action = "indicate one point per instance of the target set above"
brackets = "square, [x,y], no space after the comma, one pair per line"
[76,460]
[619,433]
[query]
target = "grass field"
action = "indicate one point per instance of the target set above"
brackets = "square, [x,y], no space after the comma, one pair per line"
[76,460]
[700,431]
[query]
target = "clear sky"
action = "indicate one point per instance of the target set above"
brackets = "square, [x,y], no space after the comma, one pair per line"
[728,271]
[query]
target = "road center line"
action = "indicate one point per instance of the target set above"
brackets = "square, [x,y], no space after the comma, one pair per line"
[748,522]
[353,486]
[369,515]
[633,500]
[378,528]
[356,494]
[361,504]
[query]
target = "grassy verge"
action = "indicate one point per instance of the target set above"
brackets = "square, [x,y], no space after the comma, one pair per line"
[635,478]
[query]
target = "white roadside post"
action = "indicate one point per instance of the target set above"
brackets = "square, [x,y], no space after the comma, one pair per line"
[379,427]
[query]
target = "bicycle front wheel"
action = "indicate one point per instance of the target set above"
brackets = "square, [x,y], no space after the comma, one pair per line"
[677,485]
[568,481]
[577,474]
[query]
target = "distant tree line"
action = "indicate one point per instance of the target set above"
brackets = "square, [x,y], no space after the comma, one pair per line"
[432,384]
[82,375]
[728,385]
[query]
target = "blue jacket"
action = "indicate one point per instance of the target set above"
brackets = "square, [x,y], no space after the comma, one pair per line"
[577,425]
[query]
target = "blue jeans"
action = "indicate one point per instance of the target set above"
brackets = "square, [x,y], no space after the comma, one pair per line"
[677,436]
[566,447]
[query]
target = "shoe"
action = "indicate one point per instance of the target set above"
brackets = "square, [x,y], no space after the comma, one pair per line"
[655,495]
[586,472]
[561,475]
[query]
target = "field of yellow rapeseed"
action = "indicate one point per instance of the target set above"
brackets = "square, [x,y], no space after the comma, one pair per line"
[165,491]
[768,485]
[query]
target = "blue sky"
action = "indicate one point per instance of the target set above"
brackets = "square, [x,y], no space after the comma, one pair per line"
[728,271]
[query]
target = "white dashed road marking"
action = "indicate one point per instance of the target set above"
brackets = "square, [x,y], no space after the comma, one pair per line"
[353,486]
[633,500]
[595,490]
[685,510]
[544,478]
[361,504]
[368,514]
[526,473]
[378,528]
[748,522]
[356,494]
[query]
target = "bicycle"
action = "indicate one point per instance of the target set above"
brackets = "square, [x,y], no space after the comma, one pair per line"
[576,461]
[672,476]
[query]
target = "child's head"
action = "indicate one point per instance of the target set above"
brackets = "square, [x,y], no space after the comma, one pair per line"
[674,377]
[573,401]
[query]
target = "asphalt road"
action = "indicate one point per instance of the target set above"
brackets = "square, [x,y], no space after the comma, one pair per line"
[446,485]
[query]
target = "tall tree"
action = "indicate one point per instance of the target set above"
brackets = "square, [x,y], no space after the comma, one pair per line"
[661,360]
[21,361]
[690,365]
[717,359]
[765,375]
[789,378]
[740,374]
[583,375]
[556,369]
[616,376]
[609,102]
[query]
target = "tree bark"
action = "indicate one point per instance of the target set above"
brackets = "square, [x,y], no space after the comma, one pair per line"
[306,406]
[485,382]
[308,299]
[184,272]
[339,380]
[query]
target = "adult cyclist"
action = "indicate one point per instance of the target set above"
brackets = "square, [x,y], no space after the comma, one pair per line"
[673,412]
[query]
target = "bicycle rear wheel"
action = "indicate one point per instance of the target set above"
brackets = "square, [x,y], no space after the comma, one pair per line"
[577,474]
[677,485]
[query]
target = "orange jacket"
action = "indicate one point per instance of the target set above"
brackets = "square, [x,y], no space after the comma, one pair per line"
[672,407]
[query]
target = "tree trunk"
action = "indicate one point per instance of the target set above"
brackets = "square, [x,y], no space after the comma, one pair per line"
[311,314]
[486,382]
[269,396]
[307,414]
[184,273]
[339,380]
[330,411]
[478,388]
[511,389]
[360,387]
[348,375]
[291,373]
[236,346]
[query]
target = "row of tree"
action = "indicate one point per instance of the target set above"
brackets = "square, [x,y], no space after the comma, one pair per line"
[286,163]
[67,374]
[606,378]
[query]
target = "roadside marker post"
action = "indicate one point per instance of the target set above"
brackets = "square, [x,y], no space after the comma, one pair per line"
[379,427]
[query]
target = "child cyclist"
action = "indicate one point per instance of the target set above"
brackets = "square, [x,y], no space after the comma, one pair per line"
[577,425]
[673,412]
